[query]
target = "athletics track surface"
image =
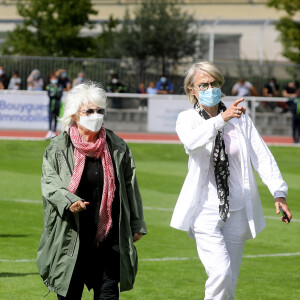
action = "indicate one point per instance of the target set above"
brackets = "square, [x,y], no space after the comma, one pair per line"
[134,137]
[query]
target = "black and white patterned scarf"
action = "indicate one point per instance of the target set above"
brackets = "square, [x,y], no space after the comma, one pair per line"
[221,164]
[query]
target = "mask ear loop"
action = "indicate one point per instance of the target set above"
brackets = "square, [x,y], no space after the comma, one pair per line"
[195,95]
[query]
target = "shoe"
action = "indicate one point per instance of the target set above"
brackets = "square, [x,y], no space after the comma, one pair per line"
[53,134]
[49,135]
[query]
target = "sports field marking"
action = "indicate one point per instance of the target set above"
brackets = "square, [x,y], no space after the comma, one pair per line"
[145,207]
[162,259]
[22,201]
[171,209]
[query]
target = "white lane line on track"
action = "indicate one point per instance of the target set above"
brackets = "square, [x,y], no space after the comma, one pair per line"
[162,259]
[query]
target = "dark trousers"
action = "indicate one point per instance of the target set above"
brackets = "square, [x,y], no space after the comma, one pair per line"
[107,290]
[296,128]
[53,114]
[104,281]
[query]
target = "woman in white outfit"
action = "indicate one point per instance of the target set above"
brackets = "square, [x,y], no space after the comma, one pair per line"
[219,203]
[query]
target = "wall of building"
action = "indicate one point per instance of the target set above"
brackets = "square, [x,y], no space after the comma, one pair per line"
[253,23]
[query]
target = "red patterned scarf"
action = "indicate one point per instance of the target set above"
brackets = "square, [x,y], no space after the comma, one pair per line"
[98,149]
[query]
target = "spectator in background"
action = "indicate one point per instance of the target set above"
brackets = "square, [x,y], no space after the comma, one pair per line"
[55,92]
[143,101]
[35,81]
[151,89]
[3,79]
[271,89]
[288,91]
[141,89]
[243,88]
[294,106]
[63,79]
[163,86]
[79,79]
[15,82]
[115,86]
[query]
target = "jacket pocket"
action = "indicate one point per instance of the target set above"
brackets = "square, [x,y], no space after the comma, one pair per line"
[49,219]
[73,243]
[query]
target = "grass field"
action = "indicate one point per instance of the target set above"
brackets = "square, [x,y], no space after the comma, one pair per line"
[161,170]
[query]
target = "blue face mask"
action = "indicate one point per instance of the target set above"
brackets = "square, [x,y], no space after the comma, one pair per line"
[210,97]
[54,81]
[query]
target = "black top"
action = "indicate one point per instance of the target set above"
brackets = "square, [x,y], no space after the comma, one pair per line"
[92,259]
[90,189]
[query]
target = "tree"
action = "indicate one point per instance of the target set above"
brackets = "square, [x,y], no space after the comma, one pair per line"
[107,44]
[51,27]
[289,29]
[159,30]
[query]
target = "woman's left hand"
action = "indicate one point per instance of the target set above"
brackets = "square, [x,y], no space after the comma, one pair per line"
[281,202]
[137,236]
[234,110]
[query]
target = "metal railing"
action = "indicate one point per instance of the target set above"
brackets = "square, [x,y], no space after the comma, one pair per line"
[132,72]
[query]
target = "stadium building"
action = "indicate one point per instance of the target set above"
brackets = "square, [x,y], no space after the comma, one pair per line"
[241,29]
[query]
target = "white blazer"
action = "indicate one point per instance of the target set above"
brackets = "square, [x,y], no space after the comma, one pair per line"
[197,136]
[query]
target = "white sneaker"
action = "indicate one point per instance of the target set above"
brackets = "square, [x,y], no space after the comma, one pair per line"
[53,134]
[49,135]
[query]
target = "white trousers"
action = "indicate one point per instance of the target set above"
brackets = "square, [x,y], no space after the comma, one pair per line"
[220,247]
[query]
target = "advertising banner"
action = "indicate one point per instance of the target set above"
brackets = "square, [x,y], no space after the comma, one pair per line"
[24,110]
[163,111]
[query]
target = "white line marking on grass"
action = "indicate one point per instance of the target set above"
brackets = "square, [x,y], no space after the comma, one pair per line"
[17,260]
[272,255]
[22,138]
[145,207]
[162,259]
[245,256]
[168,259]
[278,218]
[22,201]
[171,209]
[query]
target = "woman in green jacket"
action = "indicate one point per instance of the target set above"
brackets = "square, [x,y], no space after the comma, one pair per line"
[93,210]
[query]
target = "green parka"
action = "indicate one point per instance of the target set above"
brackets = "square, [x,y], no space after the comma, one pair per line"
[59,244]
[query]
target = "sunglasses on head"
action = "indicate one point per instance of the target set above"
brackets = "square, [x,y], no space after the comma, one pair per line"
[205,86]
[100,111]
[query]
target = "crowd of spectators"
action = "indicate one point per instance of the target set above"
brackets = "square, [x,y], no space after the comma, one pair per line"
[58,82]
[241,88]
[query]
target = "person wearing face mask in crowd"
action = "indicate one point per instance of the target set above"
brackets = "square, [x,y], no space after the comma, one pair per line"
[3,79]
[163,86]
[15,82]
[93,211]
[219,204]
[79,79]
[63,79]
[55,92]
[115,86]
[34,81]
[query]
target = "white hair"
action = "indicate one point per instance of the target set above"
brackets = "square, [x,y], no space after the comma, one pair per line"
[206,67]
[84,93]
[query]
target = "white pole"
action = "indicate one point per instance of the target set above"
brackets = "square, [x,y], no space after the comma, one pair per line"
[197,43]
[212,40]
[261,42]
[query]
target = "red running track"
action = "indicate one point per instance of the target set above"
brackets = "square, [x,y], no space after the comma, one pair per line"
[134,137]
